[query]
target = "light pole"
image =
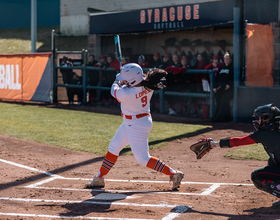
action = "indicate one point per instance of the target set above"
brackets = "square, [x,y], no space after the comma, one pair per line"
[33,25]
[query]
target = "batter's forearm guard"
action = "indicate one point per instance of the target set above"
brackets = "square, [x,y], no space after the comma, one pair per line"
[224,143]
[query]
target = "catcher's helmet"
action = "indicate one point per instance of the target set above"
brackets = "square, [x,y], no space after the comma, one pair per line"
[266,115]
[132,73]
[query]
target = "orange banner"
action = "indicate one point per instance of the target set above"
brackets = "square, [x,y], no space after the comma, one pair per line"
[21,76]
[260,55]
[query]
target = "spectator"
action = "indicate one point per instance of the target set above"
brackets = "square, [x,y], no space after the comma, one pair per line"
[176,70]
[189,81]
[115,64]
[170,86]
[188,85]
[109,76]
[93,79]
[109,62]
[67,75]
[102,62]
[183,83]
[180,80]
[173,81]
[178,76]
[76,80]
[105,78]
[200,61]
[198,102]
[142,63]
[223,89]
[124,61]
[91,60]
[166,62]
[156,61]
[127,59]
[176,60]
[215,65]
[200,66]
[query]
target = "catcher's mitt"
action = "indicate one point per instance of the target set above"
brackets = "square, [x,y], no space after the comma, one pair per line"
[202,147]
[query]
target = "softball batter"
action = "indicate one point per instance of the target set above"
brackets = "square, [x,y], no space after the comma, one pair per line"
[134,92]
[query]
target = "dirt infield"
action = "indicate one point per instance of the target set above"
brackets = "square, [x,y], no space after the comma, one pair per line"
[40,181]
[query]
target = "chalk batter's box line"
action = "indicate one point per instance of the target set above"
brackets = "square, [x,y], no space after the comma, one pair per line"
[178,209]
[206,192]
[64,216]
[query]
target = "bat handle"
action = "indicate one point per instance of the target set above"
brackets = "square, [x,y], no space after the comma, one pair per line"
[120,64]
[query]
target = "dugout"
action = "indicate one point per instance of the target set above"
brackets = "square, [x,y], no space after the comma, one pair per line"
[209,28]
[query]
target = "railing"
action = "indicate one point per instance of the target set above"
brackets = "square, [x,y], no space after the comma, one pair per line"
[162,93]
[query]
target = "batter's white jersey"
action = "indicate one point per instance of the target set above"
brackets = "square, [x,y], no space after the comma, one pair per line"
[134,130]
[134,100]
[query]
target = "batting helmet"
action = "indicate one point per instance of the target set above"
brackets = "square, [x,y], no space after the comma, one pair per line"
[266,115]
[132,73]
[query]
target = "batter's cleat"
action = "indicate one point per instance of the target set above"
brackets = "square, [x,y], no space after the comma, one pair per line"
[176,179]
[97,182]
[276,204]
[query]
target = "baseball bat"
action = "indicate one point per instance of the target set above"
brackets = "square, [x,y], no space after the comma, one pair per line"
[118,49]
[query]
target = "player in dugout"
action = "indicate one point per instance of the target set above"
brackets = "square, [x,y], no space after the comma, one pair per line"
[268,134]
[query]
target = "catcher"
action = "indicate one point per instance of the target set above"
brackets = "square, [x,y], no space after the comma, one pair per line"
[268,134]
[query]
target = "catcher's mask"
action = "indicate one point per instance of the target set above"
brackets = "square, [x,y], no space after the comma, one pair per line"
[132,73]
[265,115]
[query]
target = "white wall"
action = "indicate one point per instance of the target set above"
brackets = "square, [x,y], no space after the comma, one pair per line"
[74,25]
[74,15]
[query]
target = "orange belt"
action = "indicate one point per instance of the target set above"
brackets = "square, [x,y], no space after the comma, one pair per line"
[137,116]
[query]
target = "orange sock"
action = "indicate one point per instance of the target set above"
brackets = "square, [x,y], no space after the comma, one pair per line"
[158,165]
[108,162]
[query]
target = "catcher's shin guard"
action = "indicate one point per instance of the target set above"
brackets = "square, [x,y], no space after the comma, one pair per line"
[268,186]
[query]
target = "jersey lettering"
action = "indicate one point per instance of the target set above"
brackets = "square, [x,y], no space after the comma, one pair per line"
[144,100]
[140,94]
[224,71]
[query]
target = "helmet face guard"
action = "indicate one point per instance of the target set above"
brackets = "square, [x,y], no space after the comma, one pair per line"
[256,124]
[132,73]
[261,122]
[264,114]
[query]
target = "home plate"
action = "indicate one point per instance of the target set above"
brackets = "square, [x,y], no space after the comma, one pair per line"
[111,196]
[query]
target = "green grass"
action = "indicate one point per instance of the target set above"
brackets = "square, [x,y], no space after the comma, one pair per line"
[18,40]
[78,130]
[250,152]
